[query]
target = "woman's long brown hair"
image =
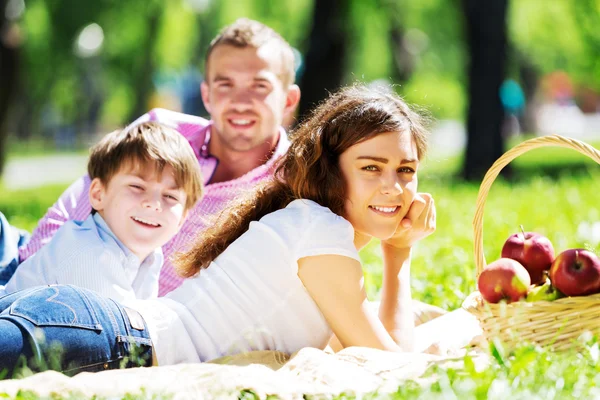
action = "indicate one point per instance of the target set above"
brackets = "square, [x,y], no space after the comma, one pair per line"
[310,168]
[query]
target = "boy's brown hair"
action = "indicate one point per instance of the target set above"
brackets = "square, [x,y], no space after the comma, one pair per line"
[245,32]
[148,145]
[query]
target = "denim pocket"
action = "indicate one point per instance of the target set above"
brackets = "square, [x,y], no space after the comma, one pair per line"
[57,306]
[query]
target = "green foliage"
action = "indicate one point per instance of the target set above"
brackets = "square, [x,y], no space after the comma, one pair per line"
[440,94]
[443,272]
[559,35]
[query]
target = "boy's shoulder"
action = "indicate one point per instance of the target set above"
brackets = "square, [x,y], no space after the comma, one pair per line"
[75,227]
[76,236]
[73,242]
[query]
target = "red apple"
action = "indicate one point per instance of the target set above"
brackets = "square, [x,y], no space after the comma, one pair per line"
[533,251]
[503,279]
[576,272]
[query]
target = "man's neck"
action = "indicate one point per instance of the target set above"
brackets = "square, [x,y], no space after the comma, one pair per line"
[234,164]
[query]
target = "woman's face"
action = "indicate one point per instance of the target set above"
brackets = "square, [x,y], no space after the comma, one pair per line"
[381,182]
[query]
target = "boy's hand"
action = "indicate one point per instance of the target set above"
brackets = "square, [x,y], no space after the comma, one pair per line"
[418,223]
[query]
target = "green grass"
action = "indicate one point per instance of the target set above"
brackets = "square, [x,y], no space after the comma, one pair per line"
[39,147]
[553,193]
[23,208]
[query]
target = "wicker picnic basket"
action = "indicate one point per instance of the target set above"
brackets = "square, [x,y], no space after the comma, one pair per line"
[557,324]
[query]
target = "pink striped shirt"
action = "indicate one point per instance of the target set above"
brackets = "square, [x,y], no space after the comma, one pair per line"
[74,203]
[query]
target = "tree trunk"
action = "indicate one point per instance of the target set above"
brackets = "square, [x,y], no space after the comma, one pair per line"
[529,81]
[326,56]
[403,61]
[9,68]
[143,84]
[486,39]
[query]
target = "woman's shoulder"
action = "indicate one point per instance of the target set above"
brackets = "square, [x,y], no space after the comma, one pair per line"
[307,212]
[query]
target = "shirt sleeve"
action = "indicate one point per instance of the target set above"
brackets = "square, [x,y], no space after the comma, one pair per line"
[57,262]
[73,204]
[327,233]
[30,273]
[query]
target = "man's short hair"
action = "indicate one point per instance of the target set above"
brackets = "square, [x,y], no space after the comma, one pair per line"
[148,145]
[245,32]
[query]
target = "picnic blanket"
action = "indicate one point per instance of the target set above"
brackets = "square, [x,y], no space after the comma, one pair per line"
[308,372]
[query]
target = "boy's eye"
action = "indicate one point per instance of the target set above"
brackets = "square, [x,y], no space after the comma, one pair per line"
[136,187]
[171,197]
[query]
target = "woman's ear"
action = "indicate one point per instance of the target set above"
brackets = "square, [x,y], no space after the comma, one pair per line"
[96,194]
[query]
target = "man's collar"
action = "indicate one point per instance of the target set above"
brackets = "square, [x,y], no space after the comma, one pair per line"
[207,133]
[283,142]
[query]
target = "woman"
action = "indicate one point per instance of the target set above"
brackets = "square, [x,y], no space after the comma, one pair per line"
[279,271]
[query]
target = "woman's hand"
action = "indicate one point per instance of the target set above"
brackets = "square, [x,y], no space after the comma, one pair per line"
[418,223]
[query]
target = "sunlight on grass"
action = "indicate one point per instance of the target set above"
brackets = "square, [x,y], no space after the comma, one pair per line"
[23,208]
[443,272]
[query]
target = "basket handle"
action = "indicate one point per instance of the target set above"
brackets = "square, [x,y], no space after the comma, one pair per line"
[492,173]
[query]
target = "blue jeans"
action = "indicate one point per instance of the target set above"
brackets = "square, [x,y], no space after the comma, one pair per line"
[11,239]
[69,329]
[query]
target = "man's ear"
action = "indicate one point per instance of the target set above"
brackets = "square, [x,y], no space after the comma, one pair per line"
[205,96]
[292,99]
[184,217]
[96,194]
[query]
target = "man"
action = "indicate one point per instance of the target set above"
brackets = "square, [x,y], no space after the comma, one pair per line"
[248,90]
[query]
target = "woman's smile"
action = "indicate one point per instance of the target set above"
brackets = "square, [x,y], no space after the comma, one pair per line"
[386,211]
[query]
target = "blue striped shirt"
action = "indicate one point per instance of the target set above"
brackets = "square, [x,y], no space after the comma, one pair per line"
[88,254]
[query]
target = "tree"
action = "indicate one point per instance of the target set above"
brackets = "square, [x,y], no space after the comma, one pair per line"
[486,42]
[9,67]
[327,51]
[403,60]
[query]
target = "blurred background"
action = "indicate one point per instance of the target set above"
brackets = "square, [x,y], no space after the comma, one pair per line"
[488,72]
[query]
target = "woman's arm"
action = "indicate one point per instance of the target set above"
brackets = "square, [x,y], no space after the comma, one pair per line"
[336,284]
[396,309]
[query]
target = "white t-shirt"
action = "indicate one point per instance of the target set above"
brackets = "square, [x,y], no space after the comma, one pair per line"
[250,297]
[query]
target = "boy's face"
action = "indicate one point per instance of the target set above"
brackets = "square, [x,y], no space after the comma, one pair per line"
[245,96]
[142,209]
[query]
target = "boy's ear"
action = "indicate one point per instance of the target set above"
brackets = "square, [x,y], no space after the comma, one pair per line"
[292,99]
[96,194]
[204,91]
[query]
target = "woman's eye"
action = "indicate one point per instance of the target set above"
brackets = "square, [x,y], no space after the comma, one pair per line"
[406,170]
[370,168]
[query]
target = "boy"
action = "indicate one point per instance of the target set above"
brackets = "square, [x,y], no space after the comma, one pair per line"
[144,180]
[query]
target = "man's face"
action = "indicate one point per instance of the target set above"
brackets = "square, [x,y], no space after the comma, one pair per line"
[245,96]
